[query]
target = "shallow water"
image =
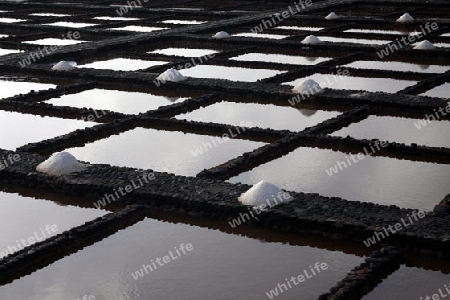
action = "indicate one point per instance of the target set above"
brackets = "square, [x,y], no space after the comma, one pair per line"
[305,28]
[123,64]
[380,31]
[9,51]
[411,283]
[12,88]
[351,40]
[139,28]
[387,85]
[183,22]
[226,266]
[230,73]
[262,35]
[49,15]
[280,58]
[11,20]
[53,41]
[401,130]
[71,24]
[116,18]
[21,217]
[161,151]
[442,91]
[185,52]
[124,102]
[374,179]
[398,66]
[260,115]
[19,129]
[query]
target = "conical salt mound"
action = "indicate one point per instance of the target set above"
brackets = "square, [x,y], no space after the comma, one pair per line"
[405,18]
[171,75]
[307,86]
[60,163]
[332,16]
[424,45]
[264,193]
[64,66]
[311,39]
[221,35]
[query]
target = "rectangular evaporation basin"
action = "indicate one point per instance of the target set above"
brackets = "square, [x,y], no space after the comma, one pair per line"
[12,88]
[53,41]
[3,36]
[24,217]
[262,35]
[71,24]
[10,20]
[171,151]
[183,22]
[379,180]
[230,73]
[280,58]
[23,128]
[123,64]
[411,283]
[139,28]
[331,81]
[184,52]
[304,28]
[354,41]
[401,130]
[441,91]
[254,268]
[116,18]
[120,101]
[49,15]
[378,31]
[261,115]
[398,66]
[9,51]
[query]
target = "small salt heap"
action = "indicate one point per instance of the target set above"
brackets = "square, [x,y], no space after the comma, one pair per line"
[307,86]
[311,39]
[405,18]
[264,193]
[424,45]
[221,35]
[64,66]
[60,163]
[332,16]
[171,75]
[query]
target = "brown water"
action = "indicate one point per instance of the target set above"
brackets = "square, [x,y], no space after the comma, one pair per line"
[124,102]
[123,64]
[411,283]
[161,151]
[260,115]
[280,58]
[230,73]
[400,130]
[387,85]
[18,129]
[219,266]
[25,217]
[374,179]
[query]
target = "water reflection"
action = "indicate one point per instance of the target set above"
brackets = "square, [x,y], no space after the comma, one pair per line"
[230,73]
[123,64]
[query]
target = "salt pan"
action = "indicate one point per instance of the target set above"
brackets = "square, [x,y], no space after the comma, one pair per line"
[264,193]
[424,45]
[332,16]
[307,86]
[311,39]
[171,75]
[65,66]
[405,18]
[221,35]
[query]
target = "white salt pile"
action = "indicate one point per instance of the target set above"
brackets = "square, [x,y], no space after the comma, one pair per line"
[264,193]
[65,66]
[332,16]
[307,86]
[60,163]
[424,45]
[171,75]
[311,39]
[221,35]
[405,18]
